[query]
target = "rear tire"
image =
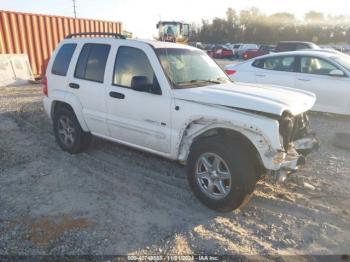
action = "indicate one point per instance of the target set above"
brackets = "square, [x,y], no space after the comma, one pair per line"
[238,183]
[68,132]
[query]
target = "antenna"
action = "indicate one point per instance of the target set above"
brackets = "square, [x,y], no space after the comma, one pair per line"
[74,9]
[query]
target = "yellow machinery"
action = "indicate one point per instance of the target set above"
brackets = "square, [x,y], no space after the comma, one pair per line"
[174,31]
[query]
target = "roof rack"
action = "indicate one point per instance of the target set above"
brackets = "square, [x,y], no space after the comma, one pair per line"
[116,35]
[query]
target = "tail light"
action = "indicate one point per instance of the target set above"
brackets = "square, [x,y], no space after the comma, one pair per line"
[230,72]
[45,87]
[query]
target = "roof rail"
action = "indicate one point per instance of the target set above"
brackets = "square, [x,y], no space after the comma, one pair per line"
[116,35]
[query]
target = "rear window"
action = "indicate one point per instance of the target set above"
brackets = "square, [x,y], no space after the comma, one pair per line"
[62,59]
[92,61]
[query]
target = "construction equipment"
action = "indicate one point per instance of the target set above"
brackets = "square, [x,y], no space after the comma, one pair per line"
[177,32]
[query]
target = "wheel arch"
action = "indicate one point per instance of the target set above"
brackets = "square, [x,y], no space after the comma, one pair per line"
[201,128]
[75,107]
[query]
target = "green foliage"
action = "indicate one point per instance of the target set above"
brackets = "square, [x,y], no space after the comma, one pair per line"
[251,25]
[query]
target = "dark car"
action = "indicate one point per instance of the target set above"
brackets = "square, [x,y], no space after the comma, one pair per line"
[286,46]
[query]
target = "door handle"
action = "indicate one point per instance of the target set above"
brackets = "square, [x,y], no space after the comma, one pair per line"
[116,95]
[304,79]
[258,75]
[74,85]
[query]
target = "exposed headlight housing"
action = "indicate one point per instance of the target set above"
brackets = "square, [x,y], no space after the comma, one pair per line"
[286,127]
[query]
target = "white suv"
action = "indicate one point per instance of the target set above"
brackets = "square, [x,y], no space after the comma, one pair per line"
[175,101]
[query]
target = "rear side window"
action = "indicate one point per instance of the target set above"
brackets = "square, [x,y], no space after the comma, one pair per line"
[62,60]
[276,63]
[92,61]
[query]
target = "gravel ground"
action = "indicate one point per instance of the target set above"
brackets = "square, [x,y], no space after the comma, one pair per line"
[116,200]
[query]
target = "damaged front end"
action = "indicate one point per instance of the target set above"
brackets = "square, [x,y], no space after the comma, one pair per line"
[298,140]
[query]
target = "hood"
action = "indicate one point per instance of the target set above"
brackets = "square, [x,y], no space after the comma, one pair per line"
[264,98]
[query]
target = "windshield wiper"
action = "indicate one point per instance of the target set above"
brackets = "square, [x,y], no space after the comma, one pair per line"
[199,81]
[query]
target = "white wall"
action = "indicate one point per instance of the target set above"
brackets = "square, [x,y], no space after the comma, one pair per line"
[15,69]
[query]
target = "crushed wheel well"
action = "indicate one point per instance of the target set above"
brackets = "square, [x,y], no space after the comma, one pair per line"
[232,134]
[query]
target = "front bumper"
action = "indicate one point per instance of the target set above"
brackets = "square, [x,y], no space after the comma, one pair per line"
[290,161]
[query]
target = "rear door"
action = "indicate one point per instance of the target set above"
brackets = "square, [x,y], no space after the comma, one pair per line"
[87,83]
[57,77]
[139,118]
[332,91]
[276,70]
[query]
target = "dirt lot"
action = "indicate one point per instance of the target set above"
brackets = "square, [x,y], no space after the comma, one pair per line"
[116,200]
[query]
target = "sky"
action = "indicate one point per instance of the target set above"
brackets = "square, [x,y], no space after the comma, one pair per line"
[141,16]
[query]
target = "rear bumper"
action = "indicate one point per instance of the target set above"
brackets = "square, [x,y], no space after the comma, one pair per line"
[47,106]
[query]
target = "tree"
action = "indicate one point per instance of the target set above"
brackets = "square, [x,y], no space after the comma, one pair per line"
[251,25]
[314,17]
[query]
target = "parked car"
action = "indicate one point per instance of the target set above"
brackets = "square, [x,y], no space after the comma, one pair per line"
[235,47]
[325,73]
[244,47]
[209,49]
[286,46]
[262,50]
[175,101]
[197,45]
[223,52]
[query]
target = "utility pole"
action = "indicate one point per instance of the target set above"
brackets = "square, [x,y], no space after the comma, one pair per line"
[74,9]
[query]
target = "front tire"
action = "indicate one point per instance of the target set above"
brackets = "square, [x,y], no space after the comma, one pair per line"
[221,173]
[68,132]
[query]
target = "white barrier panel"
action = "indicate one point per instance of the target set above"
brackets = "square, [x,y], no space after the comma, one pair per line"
[15,70]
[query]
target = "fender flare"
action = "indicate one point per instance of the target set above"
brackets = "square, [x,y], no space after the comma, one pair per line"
[74,102]
[253,135]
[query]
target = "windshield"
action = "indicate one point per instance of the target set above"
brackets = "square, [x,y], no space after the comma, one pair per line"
[170,29]
[190,68]
[343,60]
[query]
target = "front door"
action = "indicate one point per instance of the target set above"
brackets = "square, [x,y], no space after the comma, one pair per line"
[138,108]
[332,92]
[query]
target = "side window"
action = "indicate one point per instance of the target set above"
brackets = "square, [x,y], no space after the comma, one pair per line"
[301,46]
[259,63]
[92,61]
[277,63]
[132,68]
[62,60]
[286,47]
[314,65]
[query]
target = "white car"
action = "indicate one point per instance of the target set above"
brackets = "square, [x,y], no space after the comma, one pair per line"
[175,101]
[325,73]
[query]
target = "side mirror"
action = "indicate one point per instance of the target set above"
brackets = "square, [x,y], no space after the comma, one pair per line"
[336,72]
[140,83]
